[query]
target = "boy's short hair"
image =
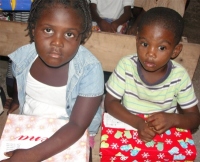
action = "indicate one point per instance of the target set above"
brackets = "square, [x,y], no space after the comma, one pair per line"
[165,17]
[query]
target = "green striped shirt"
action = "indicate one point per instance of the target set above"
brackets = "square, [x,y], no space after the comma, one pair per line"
[126,84]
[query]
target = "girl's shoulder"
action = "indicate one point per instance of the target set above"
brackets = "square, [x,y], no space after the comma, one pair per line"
[85,56]
[23,53]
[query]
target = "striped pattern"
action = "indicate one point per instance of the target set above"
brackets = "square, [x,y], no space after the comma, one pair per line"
[125,84]
[20,16]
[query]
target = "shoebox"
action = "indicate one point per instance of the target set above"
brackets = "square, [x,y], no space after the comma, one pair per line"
[15,5]
[120,142]
[21,132]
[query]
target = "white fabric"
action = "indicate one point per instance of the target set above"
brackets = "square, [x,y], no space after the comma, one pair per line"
[111,9]
[46,99]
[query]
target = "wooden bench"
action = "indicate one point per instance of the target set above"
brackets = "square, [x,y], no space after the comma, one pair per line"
[108,48]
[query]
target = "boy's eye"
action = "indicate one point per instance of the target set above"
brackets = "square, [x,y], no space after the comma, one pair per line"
[162,48]
[69,35]
[48,30]
[144,44]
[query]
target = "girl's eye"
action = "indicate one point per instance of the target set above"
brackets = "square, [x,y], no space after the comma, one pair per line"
[48,30]
[162,48]
[70,35]
[144,44]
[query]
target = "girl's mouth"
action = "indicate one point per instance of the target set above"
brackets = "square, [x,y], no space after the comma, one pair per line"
[55,55]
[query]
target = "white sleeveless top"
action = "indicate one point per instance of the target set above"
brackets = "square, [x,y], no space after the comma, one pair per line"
[44,100]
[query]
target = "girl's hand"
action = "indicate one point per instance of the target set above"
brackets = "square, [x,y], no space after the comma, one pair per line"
[12,106]
[161,121]
[20,155]
[145,133]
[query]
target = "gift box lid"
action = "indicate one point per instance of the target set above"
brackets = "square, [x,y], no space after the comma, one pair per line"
[120,142]
[22,131]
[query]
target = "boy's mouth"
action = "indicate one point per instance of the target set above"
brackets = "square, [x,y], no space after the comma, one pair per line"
[149,64]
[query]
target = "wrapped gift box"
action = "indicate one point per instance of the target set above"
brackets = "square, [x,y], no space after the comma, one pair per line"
[23,131]
[120,142]
[15,5]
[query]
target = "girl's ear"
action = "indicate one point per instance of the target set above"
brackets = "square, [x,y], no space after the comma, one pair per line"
[33,32]
[177,51]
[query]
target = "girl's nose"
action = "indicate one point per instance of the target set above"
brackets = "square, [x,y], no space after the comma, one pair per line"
[57,40]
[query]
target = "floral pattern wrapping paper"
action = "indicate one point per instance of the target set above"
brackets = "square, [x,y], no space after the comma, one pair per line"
[118,145]
[22,131]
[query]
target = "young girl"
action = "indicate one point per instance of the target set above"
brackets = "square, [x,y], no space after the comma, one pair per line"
[150,83]
[56,76]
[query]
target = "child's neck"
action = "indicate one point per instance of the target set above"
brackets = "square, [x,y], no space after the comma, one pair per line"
[48,75]
[154,77]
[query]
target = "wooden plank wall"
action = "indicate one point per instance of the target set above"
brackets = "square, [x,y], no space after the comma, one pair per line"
[107,47]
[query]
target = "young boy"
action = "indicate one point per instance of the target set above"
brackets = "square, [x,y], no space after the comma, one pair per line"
[152,84]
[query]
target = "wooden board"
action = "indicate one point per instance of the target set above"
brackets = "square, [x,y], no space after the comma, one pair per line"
[109,48]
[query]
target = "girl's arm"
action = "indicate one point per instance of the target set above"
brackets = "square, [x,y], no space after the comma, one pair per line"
[80,119]
[14,105]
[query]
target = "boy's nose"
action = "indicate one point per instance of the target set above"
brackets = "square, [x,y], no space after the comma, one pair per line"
[151,53]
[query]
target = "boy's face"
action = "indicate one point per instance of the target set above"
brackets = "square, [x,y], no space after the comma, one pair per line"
[56,35]
[155,47]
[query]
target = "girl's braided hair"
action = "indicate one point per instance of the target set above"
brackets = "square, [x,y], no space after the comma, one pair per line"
[81,6]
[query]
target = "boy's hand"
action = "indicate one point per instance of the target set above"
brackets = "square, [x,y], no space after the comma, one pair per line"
[161,121]
[105,26]
[114,26]
[145,133]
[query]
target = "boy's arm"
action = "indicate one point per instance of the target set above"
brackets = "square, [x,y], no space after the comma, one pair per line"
[188,119]
[122,19]
[80,119]
[103,25]
[114,107]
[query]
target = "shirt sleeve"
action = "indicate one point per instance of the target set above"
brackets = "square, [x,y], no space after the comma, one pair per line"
[116,83]
[94,1]
[186,95]
[128,3]
[92,83]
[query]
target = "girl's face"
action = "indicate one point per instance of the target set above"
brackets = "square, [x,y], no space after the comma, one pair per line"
[56,35]
[155,47]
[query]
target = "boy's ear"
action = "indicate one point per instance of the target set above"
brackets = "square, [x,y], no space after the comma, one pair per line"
[177,51]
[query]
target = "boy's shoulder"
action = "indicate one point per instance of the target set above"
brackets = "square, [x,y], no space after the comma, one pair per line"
[178,66]
[178,70]
[130,57]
